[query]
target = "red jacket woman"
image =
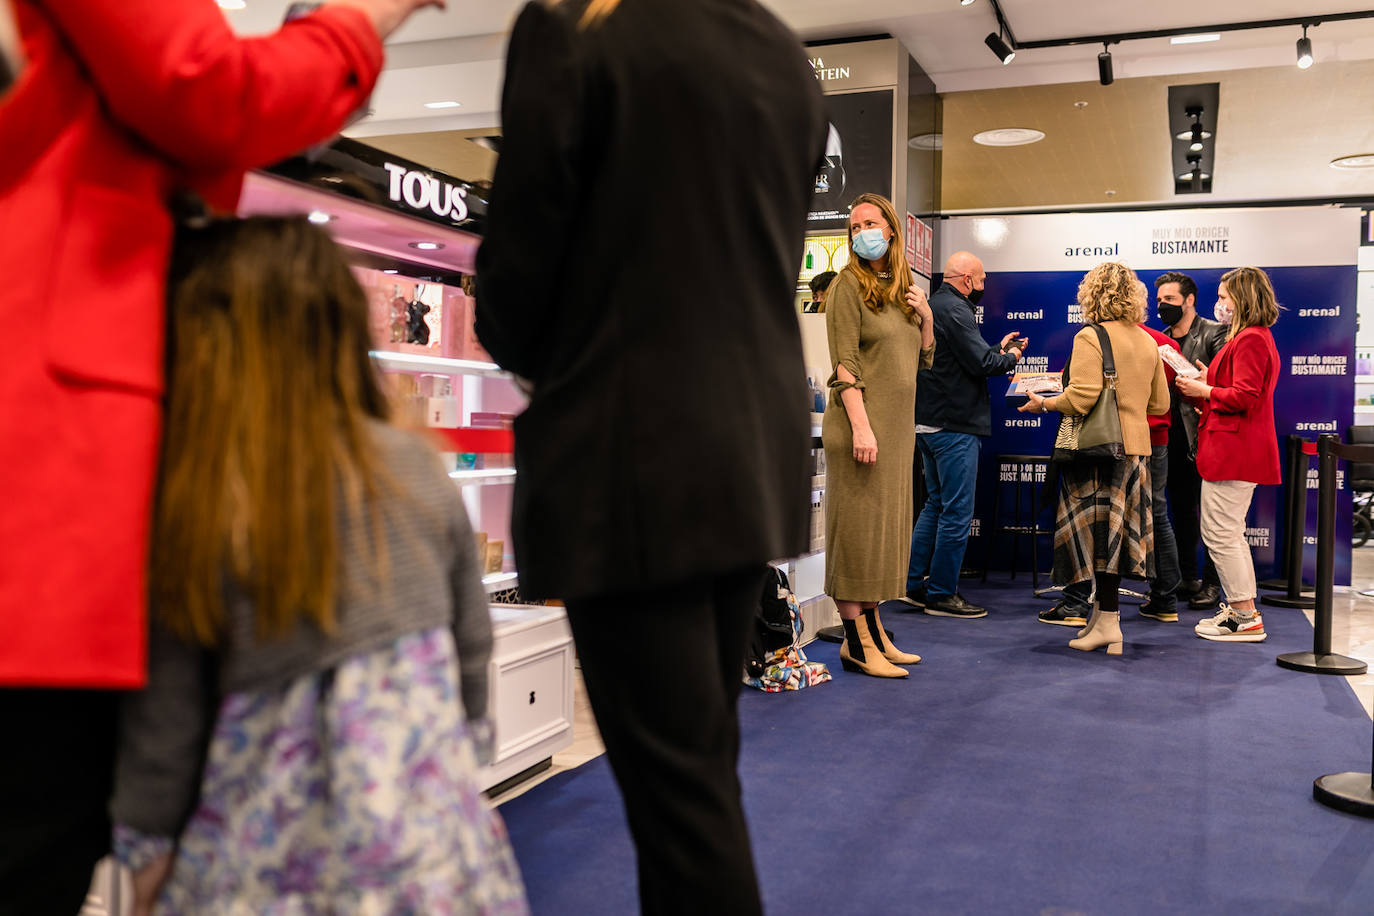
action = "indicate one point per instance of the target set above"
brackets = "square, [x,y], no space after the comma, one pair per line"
[1236,438]
[121,104]
[1237,446]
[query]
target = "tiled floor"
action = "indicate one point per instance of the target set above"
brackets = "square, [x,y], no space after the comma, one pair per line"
[1352,623]
[1352,633]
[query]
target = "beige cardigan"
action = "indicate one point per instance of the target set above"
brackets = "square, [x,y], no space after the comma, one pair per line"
[1140,384]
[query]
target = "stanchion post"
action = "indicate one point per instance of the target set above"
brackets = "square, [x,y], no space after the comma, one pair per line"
[1326,542]
[1321,660]
[1295,530]
[1352,793]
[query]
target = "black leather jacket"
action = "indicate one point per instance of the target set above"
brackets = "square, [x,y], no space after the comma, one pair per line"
[1204,341]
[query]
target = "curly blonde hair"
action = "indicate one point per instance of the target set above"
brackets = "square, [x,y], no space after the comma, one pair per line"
[1112,292]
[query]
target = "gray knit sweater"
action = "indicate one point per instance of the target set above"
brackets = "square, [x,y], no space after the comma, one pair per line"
[432,579]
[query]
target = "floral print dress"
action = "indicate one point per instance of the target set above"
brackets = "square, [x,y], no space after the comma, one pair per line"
[348,791]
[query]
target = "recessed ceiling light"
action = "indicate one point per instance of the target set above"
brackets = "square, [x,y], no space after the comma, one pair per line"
[927,141]
[1110,192]
[1360,161]
[1009,136]
[965,2]
[232,4]
[444,104]
[1188,176]
[1194,39]
[427,246]
[1080,104]
[390,270]
[319,217]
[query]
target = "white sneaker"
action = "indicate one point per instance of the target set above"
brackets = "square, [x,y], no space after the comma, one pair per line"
[1229,626]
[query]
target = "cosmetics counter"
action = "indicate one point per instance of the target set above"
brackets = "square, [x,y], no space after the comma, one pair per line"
[412,235]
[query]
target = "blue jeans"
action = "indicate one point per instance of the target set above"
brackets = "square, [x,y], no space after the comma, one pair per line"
[1167,577]
[950,461]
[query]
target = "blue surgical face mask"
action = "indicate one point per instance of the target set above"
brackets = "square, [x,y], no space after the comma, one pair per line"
[869,244]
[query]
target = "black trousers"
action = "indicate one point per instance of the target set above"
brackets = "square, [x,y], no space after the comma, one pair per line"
[55,778]
[663,670]
[1185,502]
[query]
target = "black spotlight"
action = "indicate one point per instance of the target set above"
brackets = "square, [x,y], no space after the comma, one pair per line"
[1304,50]
[1194,134]
[1104,66]
[999,47]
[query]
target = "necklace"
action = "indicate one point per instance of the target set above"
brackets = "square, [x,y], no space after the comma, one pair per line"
[884,275]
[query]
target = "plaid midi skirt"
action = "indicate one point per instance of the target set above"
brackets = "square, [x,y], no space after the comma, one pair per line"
[1104,522]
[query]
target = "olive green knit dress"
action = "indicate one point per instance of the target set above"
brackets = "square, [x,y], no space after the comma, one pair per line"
[868,516]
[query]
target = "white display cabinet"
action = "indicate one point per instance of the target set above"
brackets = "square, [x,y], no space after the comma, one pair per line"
[531,678]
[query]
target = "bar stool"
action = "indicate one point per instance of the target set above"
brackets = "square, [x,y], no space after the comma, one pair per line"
[1038,467]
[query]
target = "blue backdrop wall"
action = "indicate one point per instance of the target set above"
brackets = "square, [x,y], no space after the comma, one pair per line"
[1034,264]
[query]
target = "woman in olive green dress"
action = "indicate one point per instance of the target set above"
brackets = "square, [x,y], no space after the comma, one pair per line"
[881,332]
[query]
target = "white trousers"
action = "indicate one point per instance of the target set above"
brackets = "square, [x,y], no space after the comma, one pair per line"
[1225,504]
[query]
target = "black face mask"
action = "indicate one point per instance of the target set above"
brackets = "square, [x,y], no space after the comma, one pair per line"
[975,294]
[1170,314]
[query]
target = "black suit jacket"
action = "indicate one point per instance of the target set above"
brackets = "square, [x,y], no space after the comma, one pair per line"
[640,263]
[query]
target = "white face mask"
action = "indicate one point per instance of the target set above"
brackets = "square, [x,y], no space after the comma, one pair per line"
[1223,313]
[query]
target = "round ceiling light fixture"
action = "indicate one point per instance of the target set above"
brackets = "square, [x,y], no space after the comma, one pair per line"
[427,246]
[1009,136]
[1359,161]
[927,141]
[320,217]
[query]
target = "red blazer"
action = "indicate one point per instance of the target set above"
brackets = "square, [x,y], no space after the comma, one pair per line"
[1236,437]
[121,104]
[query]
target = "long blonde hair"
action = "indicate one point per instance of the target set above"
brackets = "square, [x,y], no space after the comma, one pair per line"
[873,290]
[269,390]
[1253,303]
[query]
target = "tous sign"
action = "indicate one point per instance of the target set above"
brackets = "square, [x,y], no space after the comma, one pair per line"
[420,191]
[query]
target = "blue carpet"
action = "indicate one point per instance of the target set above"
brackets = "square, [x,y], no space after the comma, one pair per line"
[1012,774]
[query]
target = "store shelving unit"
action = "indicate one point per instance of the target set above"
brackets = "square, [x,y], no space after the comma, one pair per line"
[437,365]
[530,672]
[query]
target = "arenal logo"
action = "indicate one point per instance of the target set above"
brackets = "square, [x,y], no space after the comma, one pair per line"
[1099,251]
[1315,427]
[1334,312]
[420,191]
[1026,316]
[1018,422]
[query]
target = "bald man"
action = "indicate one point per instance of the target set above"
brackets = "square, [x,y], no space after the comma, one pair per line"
[953,415]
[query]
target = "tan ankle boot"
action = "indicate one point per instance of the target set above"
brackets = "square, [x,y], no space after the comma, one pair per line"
[885,646]
[859,653]
[1092,622]
[1105,631]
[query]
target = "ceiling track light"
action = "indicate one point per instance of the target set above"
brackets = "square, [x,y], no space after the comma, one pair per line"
[1304,50]
[999,47]
[1196,175]
[1104,65]
[1195,134]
